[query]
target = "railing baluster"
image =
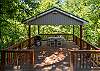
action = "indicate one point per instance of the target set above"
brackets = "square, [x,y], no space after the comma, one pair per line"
[32,57]
[9,57]
[76,61]
[71,61]
[15,58]
[2,60]
[85,60]
[80,61]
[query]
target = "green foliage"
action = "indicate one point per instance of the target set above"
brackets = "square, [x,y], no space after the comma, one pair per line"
[50,29]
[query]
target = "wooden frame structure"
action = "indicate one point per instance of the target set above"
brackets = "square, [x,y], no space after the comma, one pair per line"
[55,16]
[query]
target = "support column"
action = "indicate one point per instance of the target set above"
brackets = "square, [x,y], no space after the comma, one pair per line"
[80,36]
[38,29]
[73,33]
[29,36]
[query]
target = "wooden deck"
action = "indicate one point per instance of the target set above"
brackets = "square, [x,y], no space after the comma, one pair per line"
[63,65]
[59,66]
[18,58]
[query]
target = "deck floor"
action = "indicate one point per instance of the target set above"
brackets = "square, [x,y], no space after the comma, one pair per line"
[59,66]
[63,65]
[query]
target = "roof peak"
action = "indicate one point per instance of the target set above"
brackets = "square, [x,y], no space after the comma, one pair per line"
[59,10]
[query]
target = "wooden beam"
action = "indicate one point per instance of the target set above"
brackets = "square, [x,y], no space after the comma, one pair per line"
[38,29]
[29,35]
[80,36]
[32,57]
[73,33]
[3,56]
[71,61]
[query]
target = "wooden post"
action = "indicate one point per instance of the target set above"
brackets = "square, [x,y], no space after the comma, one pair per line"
[3,57]
[32,57]
[29,35]
[71,61]
[2,60]
[73,33]
[80,36]
[9,56]
[76,40]
[38,29]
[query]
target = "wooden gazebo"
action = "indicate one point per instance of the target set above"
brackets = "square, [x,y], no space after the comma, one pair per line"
[80,55]
[55,16]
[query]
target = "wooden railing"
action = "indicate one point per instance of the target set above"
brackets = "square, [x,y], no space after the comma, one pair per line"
[16,57]
[25,44]
[68,37]
[16,53]
[85,44]
[84,60]
[21,45]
